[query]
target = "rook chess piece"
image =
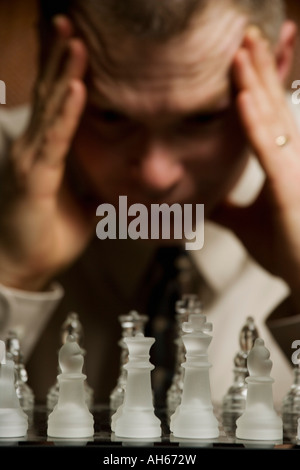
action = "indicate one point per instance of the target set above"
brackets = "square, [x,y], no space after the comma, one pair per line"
[13,420]
[259,421]
[71,417]
[194,417]
[136,418]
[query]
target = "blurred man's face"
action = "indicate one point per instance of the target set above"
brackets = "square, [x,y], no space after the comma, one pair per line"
[161,123]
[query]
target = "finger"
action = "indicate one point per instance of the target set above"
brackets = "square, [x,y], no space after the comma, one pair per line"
[63,32]
[74,69]
[59,135]
[264,63]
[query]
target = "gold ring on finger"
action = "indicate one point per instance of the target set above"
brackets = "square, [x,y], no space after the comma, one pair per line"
[281,140]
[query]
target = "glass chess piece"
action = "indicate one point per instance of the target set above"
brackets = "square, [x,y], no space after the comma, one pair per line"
[290,409]
[71,327]
[188,304]
[131,324]
[135,418]
[234,401]
[23,391]
[194,418]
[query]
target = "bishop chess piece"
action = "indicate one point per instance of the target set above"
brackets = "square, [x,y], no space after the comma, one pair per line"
[234,401]
[131,324]
[135,418]
[71,417]
[259,420]
[194,417]
[184,307]
[13,420]
[291,406]
[71,327]
[24,392]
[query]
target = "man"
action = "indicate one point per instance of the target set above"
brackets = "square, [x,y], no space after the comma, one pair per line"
[159,102]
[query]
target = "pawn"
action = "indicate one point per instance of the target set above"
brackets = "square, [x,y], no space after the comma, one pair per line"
[13,420]
[259,421]
[135,418]
[70,417]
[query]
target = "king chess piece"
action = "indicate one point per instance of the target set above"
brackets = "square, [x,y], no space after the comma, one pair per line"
[194,417]
[234,401]
[135,418]
[259,420]
[13,420]
[188,304]
[71,417]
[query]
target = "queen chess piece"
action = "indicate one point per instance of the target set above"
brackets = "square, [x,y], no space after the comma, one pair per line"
[194,418]
[131,324]
[135,418]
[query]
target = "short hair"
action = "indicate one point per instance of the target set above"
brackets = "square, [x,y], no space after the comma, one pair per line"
[162,19]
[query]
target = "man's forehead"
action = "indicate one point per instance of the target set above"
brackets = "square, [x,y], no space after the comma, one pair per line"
[190,67]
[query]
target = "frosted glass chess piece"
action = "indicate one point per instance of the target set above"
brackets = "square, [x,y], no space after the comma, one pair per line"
[71,417]
[131,324]
[194,417]
[136,418]
[259,420]
[291,406]
[234,401]
[71,327]
[13,420]
[24,392]
[189,303]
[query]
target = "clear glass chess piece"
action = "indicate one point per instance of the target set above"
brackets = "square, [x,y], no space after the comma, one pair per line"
[234,401]
[291,406]
[183,307]
[131,324]
[71,327]
[23,391]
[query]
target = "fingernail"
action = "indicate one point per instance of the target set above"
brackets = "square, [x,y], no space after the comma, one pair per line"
[253,32]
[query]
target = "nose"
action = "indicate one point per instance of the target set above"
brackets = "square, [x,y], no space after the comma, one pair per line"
[159,169]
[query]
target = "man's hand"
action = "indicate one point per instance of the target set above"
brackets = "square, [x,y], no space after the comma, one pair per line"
[270,227]
[41,227]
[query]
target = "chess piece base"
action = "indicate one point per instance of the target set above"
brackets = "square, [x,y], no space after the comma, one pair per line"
[70,423]
[195,424]
[13,423]
[251,426]
[137,424]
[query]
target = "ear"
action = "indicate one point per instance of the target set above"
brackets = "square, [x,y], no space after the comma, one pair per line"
[285,48]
